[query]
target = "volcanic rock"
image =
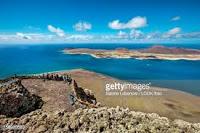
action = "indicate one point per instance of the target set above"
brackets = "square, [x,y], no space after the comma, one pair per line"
[16,100]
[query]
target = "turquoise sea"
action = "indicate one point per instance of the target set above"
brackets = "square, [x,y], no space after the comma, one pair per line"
[27,59]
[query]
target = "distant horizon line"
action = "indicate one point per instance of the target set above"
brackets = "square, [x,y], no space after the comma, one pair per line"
[60,43]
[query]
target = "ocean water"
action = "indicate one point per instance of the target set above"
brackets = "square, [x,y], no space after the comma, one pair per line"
[29,59]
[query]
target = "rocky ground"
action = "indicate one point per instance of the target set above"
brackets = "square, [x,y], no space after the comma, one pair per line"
[37,106]
[16,100]
[101,119]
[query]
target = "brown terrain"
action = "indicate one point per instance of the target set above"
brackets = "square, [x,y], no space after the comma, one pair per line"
[53,93]
[172,104]
[57,114]
[155,52]
[167,50]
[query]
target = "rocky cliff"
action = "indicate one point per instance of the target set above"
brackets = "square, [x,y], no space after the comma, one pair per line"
[15,99]
[17,102]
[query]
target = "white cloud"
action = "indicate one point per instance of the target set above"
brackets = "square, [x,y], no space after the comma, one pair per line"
[174,31]
[176,18]
[154,35]
[136,34]
[22,36]
[55,30]
[80,37]
[137,22]
[116,25]
[82,26]
[122,34]
[190,35]
[134,23]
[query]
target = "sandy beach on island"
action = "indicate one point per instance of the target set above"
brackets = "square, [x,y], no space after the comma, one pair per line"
[154,52]
[173,104]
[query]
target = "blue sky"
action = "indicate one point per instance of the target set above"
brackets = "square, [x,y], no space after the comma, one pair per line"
[43,21]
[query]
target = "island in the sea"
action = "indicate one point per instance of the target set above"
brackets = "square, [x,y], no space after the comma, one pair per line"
[154,52]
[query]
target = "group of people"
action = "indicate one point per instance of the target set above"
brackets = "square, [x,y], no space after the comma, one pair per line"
[56,77]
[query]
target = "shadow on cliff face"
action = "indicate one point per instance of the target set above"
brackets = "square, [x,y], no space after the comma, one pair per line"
[16,100]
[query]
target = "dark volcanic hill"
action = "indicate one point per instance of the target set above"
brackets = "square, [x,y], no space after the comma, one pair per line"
[166,50]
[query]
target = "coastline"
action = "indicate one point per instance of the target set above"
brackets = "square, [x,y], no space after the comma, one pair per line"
[96,73]
[138,58]
[101,75]
[152,53]
[175,111]
[174,104]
